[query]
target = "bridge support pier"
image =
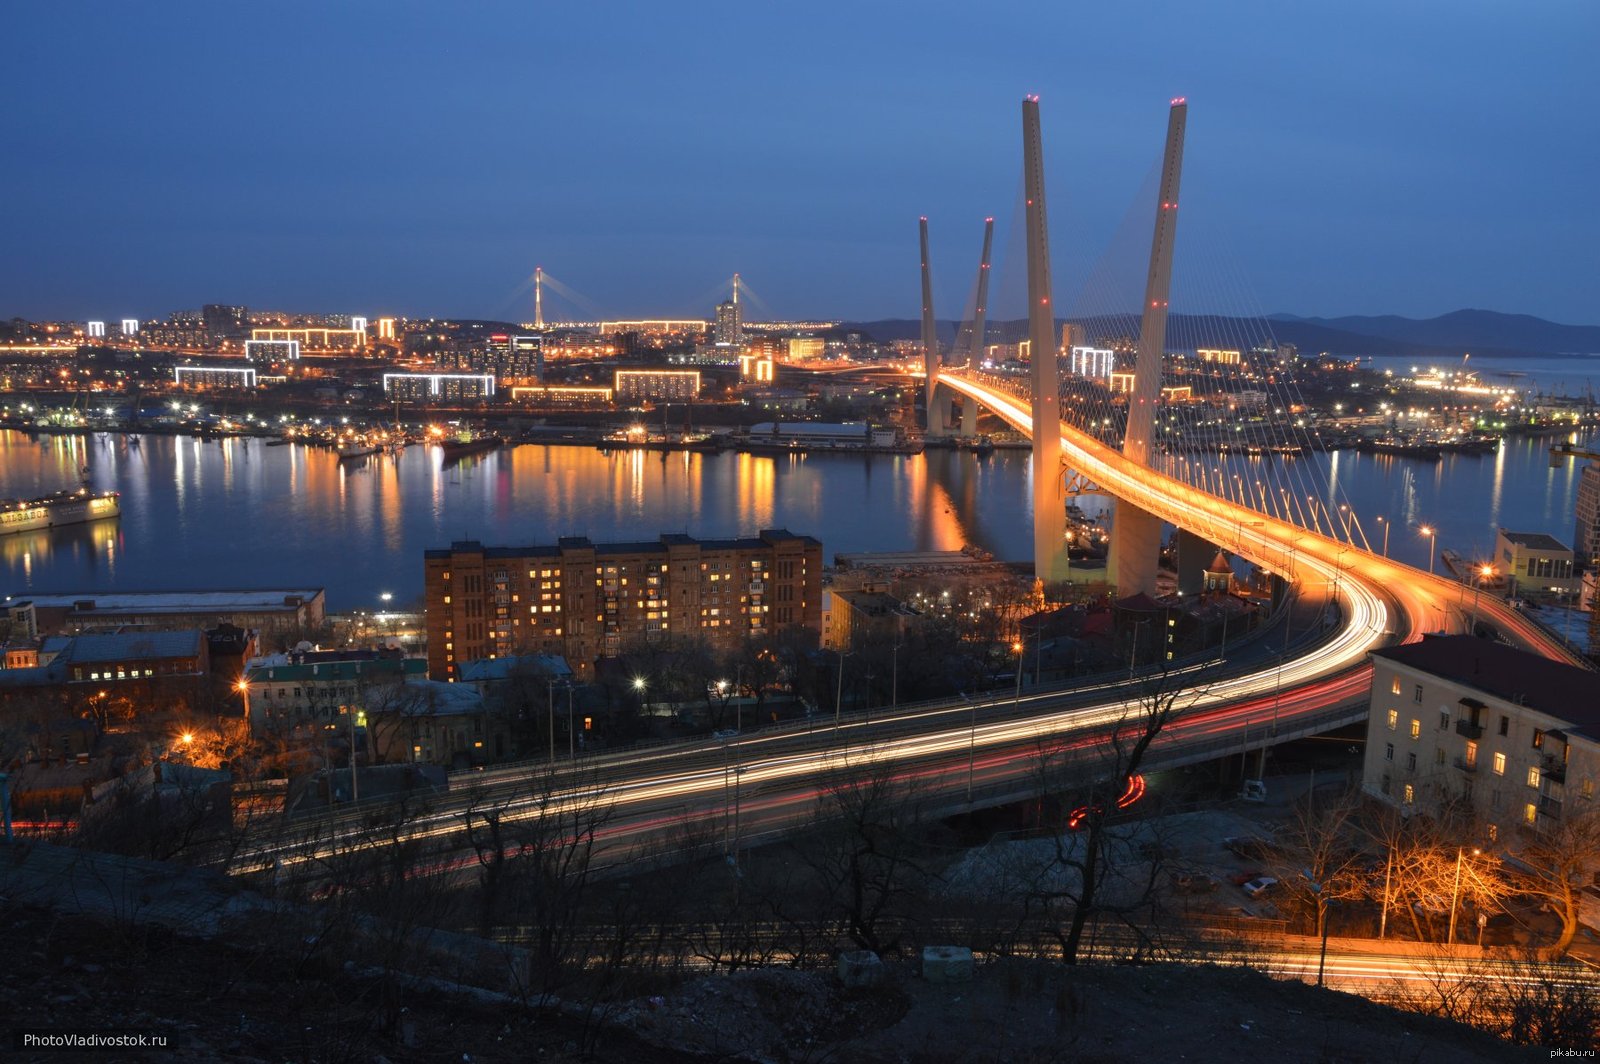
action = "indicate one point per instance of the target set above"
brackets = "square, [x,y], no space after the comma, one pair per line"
[1135,550]
[969,418]
[1194,554]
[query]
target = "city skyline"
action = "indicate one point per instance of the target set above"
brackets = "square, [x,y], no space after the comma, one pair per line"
[418,167]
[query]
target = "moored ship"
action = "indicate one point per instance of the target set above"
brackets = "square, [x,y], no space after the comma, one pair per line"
[60,508]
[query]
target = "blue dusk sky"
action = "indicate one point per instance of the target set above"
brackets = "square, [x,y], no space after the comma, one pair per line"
[420,158]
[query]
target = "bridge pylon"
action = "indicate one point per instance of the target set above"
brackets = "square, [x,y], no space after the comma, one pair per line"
[930,345]
[980,321]
[1136,533]
[1049,500]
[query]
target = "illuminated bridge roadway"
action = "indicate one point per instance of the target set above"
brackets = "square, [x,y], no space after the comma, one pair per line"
[974,753]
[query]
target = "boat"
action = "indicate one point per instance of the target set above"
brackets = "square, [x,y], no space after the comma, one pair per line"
[463,445]
[358,449]
[60,508]
[1401,448]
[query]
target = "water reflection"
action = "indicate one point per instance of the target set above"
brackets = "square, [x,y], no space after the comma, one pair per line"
[243,514]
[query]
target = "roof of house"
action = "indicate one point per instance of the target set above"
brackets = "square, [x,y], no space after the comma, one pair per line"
[336,671]
[489,670]
[1534,540]
[180,601]
[768,537]
[1565,692]
[133,646]
[1219,565]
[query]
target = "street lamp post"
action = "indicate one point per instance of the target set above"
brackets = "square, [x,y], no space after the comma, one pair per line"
[1016,701]
[838,692]
[550,704]
[1455,895]
[1483,573]
[1385,525]
[572,739]
[894,678]
[1433,540]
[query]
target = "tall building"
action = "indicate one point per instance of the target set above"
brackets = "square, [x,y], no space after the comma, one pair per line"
[729,330]
[506,356]
[223,322]
[1586,538]
[586,601]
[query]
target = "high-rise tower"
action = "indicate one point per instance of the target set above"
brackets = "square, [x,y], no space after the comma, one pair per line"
[1136,533]
[930,342]
[538,297]
[1049,504]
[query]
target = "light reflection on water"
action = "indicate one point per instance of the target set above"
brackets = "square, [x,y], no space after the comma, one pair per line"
[239,513]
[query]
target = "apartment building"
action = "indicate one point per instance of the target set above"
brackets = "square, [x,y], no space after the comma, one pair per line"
[1515,734]
[585,601]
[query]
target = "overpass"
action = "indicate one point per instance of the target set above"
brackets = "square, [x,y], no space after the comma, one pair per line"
[960,755]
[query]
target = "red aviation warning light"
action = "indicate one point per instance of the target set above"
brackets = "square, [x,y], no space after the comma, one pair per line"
[1179,100]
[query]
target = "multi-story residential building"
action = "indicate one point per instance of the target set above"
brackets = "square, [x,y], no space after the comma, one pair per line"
[656,385]
[439,387]
[322,340]
[1457,717]
[586,601]
[1533,561]
[1586,537]
[214,377]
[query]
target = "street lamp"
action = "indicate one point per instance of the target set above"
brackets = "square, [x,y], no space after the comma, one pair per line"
[838,692]
[1016,702]
[1455,894]
[1433,539]
[1484,572]
[1385,525]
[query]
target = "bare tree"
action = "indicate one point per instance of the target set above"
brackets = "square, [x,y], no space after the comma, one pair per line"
[1555,866]
[1090,854]
[864,859]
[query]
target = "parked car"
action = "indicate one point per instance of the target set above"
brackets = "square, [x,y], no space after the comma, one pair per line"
[1189,881]
[1239,879]
[1249,847]
[1259,885]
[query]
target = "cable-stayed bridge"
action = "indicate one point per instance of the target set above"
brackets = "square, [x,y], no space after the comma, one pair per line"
[972,752]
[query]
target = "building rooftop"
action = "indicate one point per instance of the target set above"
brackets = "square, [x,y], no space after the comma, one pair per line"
[179,601]
[766,538]
[1534,540]
[489,670]
[1565,692]
[133,646]
[364,669]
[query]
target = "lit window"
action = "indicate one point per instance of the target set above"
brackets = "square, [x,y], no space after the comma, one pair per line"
[1411,794]
[1494,832]
[1394,719]
[1538,738]
[1499,764]
[1416,728]
[1530,813]
[1533,776]
[1394,686]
